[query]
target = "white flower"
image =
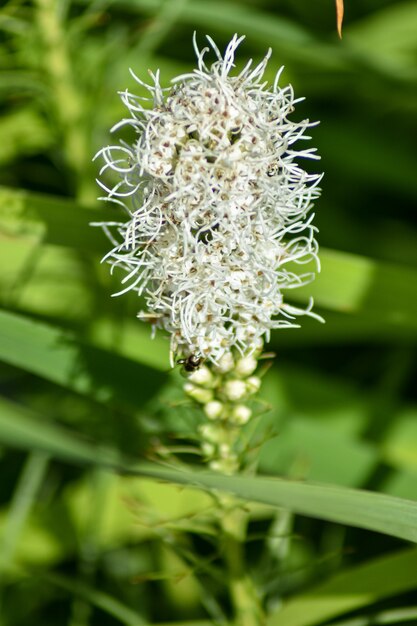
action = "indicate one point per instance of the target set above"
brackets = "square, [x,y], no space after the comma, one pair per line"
[217,206]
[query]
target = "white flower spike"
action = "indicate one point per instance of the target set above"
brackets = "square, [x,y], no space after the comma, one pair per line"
[217,206]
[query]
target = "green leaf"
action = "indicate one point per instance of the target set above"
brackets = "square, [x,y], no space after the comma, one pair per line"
[363,509]
[400,445]
[246,20]
[23,499]
[353,284]
[290,39]
[394,616]
[103,601]
[318,452]
[402,484]
[377,512]
[134,341]
[387,39]
[22,428]
[45,280]
[52,220]
[352,589]
[58,356]
[23,132]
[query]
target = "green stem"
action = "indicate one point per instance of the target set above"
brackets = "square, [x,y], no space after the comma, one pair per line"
[223,391]
[69,103]
[243,594]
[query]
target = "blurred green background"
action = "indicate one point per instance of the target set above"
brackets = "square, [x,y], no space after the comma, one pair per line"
[82,547]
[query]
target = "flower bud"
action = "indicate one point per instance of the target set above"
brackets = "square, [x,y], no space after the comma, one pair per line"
[225,466]
[208,449]
[225,364]
[213,409]
[253,384]
[202,377]
[240,414]
[224,450]
[246,366]
[198,393]
[210,433]
[234,390]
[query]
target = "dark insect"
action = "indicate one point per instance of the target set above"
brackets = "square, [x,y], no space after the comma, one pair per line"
[273,169]
[191,363]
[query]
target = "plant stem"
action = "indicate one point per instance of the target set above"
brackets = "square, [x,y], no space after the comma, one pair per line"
[243,594]
[69,103]
[223,390]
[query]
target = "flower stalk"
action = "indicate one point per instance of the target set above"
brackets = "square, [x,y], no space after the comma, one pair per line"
[244,595]
[69,103]
[222,392]
[218,230]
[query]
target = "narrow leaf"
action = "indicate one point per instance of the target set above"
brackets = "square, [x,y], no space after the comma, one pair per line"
[374,511]
[58,356]
[22,501]
[56,221]
[357,285]
[22,428]
[364,509]
[339,16]
[352,589]
[108,604]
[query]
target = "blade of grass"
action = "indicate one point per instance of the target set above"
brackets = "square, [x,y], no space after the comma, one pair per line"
[58,356]
[56,221]
[353,284]
[246,20]
[352,589]
[289,39]
[394,616]
[377,512]
[100,484]
[23,498]
[158,28]
[364,509]
[101,600]
[25,429]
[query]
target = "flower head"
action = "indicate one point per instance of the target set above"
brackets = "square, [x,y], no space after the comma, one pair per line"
[217,205]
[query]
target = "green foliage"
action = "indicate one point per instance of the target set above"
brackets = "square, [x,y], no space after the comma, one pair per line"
[92,529]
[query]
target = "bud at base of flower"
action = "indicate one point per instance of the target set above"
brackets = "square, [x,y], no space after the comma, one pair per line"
[234,390]
[226,466]
[202,376]
[245,366]
[214,409]
[225,364]
[240,414]
[253,384]
[200,395]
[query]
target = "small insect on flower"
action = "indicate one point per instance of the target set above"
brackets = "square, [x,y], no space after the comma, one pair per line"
[192,363]
[218,225]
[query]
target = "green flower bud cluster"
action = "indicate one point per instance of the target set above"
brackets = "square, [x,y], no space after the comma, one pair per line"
[222,391]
